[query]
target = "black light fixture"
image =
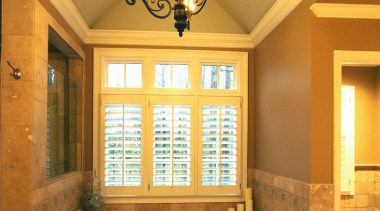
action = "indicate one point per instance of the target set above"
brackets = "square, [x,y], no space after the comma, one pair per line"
[183,10]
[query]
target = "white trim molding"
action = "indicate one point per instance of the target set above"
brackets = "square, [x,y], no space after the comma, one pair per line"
[343,58]
[360,11]
[161,38]
[72,16]
[277,13]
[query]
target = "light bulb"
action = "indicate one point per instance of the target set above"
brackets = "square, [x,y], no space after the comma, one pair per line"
[191,5]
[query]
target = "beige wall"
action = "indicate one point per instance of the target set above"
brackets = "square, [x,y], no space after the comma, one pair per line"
[23,109]
[327,35]
[367,141]
[282,98]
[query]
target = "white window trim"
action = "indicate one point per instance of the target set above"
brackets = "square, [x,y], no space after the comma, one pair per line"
[101,55]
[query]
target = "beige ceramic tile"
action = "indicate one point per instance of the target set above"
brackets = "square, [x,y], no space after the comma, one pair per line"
[321,197]
[362,201]
[371,200]
[377,176]
[39,144]
[377,188]
[195,207]
[371,176]
[16,169]
[17,102]
[19,51]
[301,189]
[41,33]
[40,80]
[350,201]
[361,176]
[13,22]
[362,188]
[119,207]
[179,207]
[377,201]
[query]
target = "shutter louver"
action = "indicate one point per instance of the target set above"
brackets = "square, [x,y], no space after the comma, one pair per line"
[219,145]
[171,145]
[123,144]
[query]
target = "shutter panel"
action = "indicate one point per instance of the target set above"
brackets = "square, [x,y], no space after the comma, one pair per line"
[123,136]
[172,142]
[220,124]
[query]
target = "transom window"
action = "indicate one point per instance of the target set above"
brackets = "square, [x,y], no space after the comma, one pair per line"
[170,133]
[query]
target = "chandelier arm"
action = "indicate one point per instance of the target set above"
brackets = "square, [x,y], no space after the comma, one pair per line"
[161,5]
[200,5]
[130,2]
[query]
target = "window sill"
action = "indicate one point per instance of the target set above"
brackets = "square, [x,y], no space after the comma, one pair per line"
[184,199]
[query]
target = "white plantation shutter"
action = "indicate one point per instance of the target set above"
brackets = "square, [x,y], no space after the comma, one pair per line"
[172,142]
[220,136]
[123,136]
[347,140]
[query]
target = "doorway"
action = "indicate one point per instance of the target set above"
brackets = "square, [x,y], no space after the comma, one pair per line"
[359,68]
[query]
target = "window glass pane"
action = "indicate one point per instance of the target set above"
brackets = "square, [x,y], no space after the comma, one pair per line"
[209,76]
[180,76]
[115,75]
[226,77]
[163,76]
[133,75]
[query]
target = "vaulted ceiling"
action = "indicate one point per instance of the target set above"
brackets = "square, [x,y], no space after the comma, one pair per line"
[218,16]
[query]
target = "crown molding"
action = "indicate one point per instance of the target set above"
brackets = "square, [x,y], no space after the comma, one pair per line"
[361,11]
[72,16]
[161,38]
[274,16]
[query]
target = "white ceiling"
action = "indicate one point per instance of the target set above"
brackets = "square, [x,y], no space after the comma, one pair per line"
[218,16]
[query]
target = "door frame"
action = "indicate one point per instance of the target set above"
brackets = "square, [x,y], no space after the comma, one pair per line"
[341,58]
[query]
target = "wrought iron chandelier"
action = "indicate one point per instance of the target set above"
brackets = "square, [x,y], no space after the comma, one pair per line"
[183,10]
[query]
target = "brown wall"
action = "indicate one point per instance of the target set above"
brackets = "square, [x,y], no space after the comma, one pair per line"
[327,35]
[282,98]
[366,82]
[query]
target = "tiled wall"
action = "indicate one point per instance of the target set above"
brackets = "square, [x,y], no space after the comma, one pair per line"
[272,192]
[277,193]
[66,200]
[367,191]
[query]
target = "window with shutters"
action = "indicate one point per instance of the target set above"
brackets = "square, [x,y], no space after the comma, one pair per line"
[347,140]
[168,126]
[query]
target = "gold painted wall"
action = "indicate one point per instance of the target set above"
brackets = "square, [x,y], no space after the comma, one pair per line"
[367,119]
[327,35]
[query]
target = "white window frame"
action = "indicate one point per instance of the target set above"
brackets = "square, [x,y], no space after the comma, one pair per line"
[195,59]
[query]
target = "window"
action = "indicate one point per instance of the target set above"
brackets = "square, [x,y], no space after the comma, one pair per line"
[177,136]
[347,140]
[128,75]
[218,77]
[171,76]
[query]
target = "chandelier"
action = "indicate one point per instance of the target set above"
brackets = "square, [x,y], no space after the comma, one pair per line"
[183,10]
